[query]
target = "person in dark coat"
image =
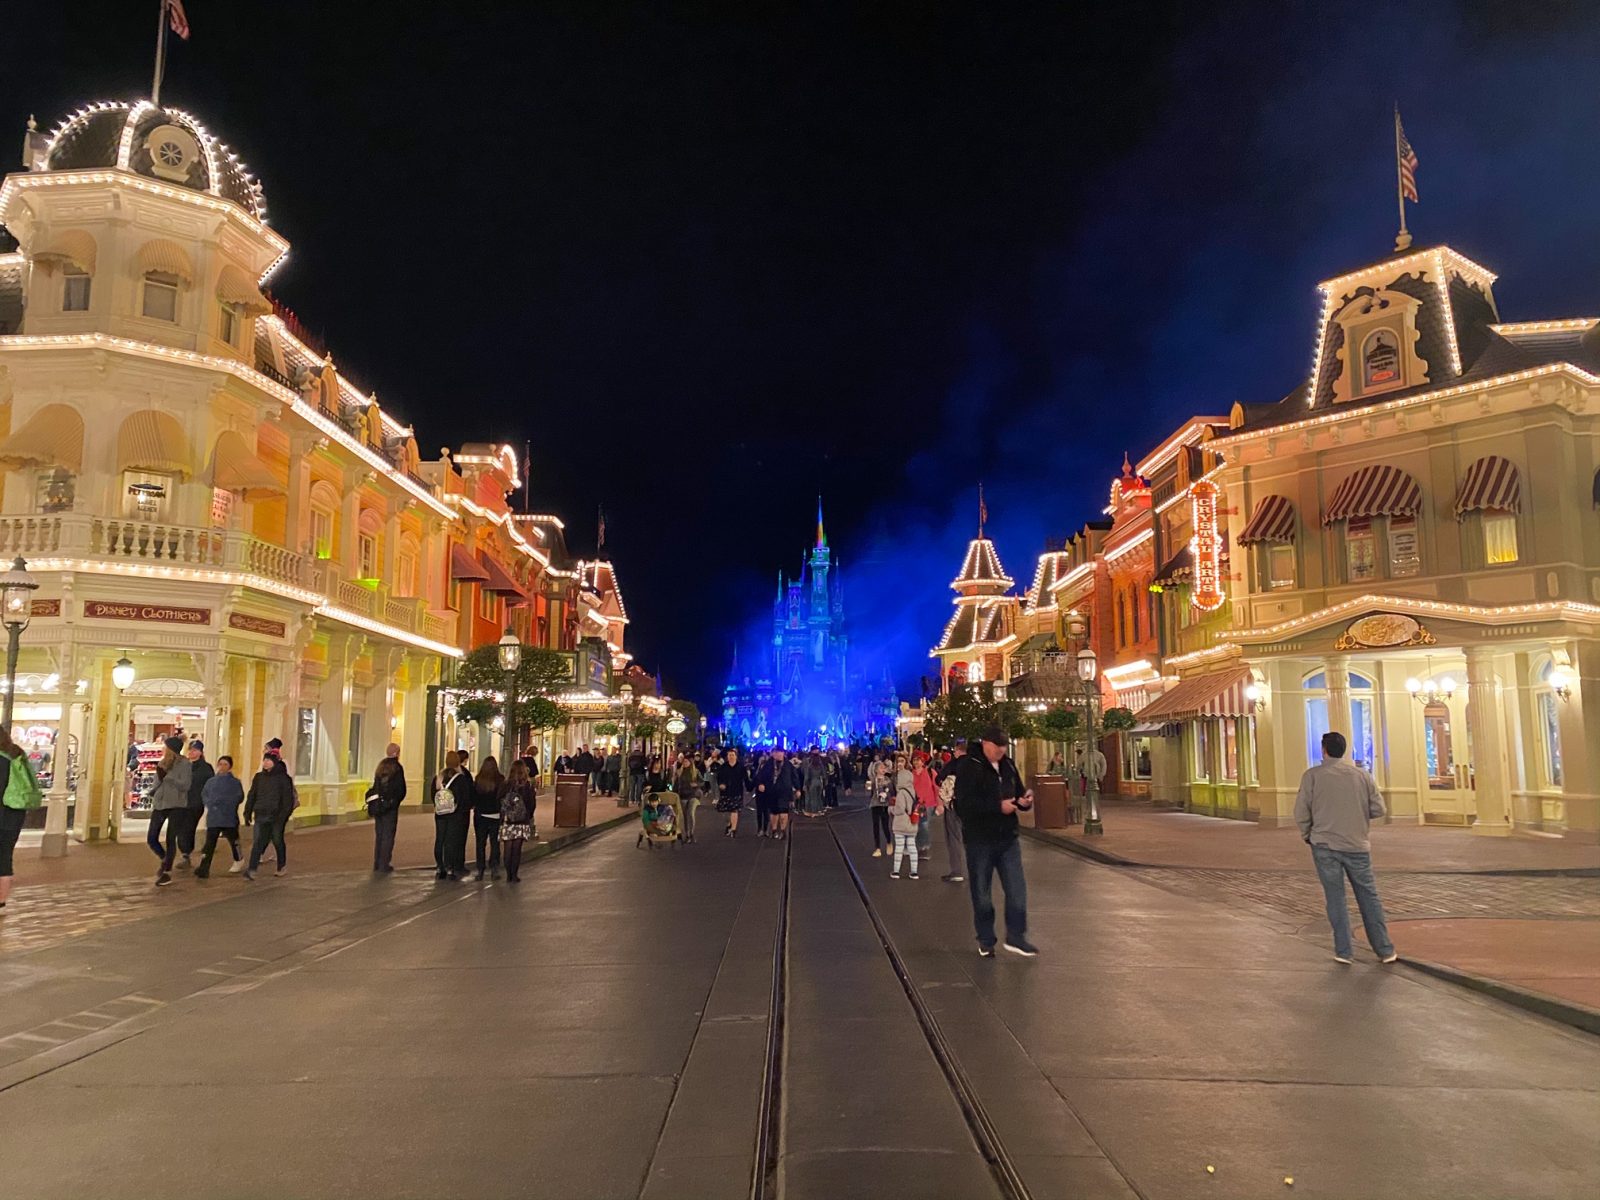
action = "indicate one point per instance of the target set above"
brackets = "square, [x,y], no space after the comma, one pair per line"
[268,806]
[223,795]
[583,764]
[733,782]
[486,791]
[452,788]
[199,772]
[988,795]
[775,788]
[169,804]
[384,798]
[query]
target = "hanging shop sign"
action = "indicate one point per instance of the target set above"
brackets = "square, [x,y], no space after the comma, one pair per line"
[676,726]
[261,625]
[168,614]
[1206,547]
[1382,631]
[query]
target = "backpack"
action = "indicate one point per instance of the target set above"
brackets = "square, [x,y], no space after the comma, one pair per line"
[947,790]
[513,808]
[22,788]
[444,799]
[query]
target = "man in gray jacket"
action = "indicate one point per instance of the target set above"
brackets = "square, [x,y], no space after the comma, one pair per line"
[1335,805]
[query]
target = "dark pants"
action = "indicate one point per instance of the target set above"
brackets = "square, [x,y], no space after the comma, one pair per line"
[458,842]
[172,819]
[882,824]
[984,860]
[763,812]
[384,827]
[486,832]
[188,827]
[212,835]
[268,829]
[953,844]
[444,843]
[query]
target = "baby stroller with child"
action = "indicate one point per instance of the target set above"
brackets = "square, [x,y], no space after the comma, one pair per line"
[660,820]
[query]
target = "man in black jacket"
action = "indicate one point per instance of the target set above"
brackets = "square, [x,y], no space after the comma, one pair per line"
[954,846]
[200,771]
[775,787]
[384,797]
[987,796]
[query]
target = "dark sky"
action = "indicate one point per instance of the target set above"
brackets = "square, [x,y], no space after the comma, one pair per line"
[716,259]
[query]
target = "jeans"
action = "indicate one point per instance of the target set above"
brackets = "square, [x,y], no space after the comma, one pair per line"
[1333,867]
[882,826]
[384,827]
[268,829]
[925,832]
[905,846]
[984,859]
[486,831]
[954,844]
[172,818]
[213,834]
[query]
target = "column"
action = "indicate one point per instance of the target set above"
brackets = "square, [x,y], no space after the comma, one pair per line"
[1400,769]
[1580,742]
[350,527]
[1338,673]
[298,495]
[1270,794]
[55,817]
[1484,719]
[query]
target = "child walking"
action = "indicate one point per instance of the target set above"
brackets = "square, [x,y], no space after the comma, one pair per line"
[222,795]
[902,810]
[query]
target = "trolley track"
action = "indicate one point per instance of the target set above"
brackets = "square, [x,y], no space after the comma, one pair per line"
[764,1174]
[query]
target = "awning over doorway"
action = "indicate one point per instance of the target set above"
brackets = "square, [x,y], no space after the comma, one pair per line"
[1273,521]
[1491,482]
[1217,695]
[464,568]
[52,437]
[1177,568]
[1375,491]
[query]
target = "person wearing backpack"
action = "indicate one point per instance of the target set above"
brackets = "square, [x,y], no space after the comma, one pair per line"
[519,799]
[452,799]
[906,815]
[20,791]
[384,797]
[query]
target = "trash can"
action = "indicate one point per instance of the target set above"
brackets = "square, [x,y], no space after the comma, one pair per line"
[1049,801]
[572,801]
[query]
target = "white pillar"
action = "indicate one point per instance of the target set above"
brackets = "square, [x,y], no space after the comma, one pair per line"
[1338,673]
[55,817]
[1491,791]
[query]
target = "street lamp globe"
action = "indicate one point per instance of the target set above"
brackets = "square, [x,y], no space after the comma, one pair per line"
[122,674]
[626,692]
[16,594]
[1088,667]
[1077,627]
[510,652]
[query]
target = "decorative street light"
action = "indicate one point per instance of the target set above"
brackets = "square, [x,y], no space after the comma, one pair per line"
[16,604]
[122,674]
[122,677]
[510,659]
[625,792]
[1093,761]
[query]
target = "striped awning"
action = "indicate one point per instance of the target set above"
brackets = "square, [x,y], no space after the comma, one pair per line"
[153,441]
[1491,482]
[1375,491]
[236,468]
[238,289]
[164,258]
[498,579]
[1273,521]
[463,567]
[72,247]
[52,437]
[1217,695]
[1177,568]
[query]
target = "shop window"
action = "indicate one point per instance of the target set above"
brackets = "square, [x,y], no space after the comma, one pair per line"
[1405,557]
[1229,729]
[1360,554]
[367,553]
[1499,536]
[1548,715]
[227,323]
[74,290]
[488,603]
[1202,749]
[1437,748]
[1135,757]
[1280,566]
[305,742]
[1363,738]
[55,491]
[146,496]
[160,297]
[321,533]
[353,757]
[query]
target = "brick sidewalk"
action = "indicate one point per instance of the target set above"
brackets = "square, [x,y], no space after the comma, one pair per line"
[1521,911]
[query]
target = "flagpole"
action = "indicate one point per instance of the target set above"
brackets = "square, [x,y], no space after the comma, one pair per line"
[161,53]
[1404,240]
[527,474]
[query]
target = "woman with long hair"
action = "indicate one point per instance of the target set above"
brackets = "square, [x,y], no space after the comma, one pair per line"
[486,789]
[519,799]
[12,758]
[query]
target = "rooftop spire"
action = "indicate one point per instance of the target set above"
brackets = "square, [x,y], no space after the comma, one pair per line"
[822,535]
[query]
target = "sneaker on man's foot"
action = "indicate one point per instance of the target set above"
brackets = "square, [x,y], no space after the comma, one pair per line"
[280,872]
[1391,958]
[202,873]
[952,878]
[250,876]
[163,879]
[985,951]
[1340,958]
[236,868]
[184,864]
[1023,947]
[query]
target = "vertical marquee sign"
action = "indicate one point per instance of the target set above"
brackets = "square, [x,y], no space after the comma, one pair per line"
[1207,547]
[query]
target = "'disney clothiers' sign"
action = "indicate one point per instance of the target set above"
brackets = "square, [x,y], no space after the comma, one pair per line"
[167,614]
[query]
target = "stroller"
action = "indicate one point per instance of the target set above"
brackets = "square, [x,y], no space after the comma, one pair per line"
[660,820]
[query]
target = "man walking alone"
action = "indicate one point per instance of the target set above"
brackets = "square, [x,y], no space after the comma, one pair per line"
[988,794]
[1335,806]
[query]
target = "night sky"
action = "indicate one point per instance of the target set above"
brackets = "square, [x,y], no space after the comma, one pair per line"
[716,259]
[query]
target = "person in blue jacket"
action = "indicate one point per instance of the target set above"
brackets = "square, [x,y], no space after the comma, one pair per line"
[222,796]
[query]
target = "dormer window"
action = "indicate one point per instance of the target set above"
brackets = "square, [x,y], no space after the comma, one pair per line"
[74,290]
[160,296]
[1380,360]
[1379,354]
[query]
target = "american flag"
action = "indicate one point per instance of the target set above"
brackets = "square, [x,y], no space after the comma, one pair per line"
[1407,159]
[600,542]
[983,509]
[177,19]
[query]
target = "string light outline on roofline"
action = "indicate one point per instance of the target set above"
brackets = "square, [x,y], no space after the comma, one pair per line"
[360,399]
[1563,325]
[1072,577]
[1131,545]
[1481,613]
[616,585]
[497,459]
[238,370]
[1169,449]
[1132,668]
[504,522]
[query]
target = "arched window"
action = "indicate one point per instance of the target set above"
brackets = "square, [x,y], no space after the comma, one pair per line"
[369,529]
[1547,724]
[324,503]
[1363,718]
[407,566]
[1380,360]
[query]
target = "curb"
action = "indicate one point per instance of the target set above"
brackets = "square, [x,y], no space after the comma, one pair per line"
[1074,846]
[1579,1016]
[576,836]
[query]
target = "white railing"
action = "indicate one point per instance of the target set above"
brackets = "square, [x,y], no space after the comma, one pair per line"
[153,543]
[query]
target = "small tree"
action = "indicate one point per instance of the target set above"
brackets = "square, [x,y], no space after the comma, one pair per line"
[480,679]
[1057,724]
[1114,720]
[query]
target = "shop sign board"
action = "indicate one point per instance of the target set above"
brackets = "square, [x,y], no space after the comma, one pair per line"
[166,614]
[1207,547]
[676,726]
[1380,631]
[261,625]
[46,608]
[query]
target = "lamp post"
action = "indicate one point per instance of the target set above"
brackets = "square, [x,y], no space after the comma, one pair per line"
[122,676]
[510,659]
[625,791]
[1088,669]
[16,606]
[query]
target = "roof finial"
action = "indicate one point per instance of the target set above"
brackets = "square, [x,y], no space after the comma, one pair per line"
[33,125]
[822,536]
[1127,467]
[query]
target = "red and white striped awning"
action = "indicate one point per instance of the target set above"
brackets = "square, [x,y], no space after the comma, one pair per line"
[1217,695]
[1376,491]
[1273,521]
[1491,482]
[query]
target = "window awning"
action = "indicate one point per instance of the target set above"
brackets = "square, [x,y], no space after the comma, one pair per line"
[1491,482]
[1220,694]
[1273,521]
[238,289]
[1376,491]
[164,258]
[153,441]
[498,579]
[1177,568]
[70,247]
[463,567]
[235,467]
[52,437]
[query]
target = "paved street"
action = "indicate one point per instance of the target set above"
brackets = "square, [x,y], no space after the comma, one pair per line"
[601,1031]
